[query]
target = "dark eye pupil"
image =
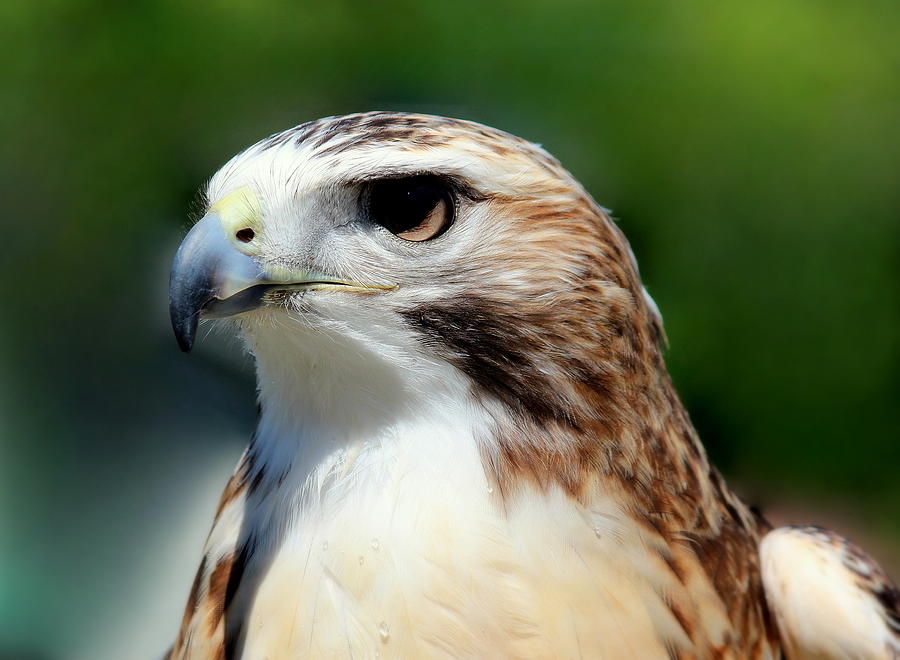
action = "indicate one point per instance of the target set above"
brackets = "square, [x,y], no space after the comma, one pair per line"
[399,205]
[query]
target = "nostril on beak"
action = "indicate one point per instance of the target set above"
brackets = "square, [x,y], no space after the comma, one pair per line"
[245,235]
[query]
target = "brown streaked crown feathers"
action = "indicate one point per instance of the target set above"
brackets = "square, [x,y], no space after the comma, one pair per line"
[532,299]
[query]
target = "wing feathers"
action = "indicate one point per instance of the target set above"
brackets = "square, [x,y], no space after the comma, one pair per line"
[830,599]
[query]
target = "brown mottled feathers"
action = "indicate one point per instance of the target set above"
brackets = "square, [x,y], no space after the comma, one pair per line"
[202,632]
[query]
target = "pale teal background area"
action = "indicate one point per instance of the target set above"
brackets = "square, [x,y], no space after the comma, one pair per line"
[750,150]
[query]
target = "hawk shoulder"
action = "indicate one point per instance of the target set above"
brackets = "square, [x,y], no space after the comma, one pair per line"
[830,599]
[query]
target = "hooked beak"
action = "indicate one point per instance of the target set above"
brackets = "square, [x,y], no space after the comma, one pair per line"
[213,277]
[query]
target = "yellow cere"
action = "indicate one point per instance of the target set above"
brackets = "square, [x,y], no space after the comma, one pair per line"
[238,210]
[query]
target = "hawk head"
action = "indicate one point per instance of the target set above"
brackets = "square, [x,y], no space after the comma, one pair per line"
[396,254]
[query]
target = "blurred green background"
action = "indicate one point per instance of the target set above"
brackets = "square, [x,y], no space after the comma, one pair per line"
[750,150]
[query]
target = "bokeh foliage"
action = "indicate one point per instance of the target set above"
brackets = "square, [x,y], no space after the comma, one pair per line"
[750,150]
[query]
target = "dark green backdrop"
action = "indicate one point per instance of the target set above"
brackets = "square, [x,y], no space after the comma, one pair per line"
[751,151]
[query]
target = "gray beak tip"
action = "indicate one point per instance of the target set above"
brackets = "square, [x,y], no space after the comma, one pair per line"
[185,331]
[185,303]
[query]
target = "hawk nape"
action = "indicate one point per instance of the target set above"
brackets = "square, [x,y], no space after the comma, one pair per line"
[469,445]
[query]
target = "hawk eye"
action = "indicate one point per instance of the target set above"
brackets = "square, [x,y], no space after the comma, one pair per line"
[416,208]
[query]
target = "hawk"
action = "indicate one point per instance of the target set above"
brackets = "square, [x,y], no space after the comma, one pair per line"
[468,442]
